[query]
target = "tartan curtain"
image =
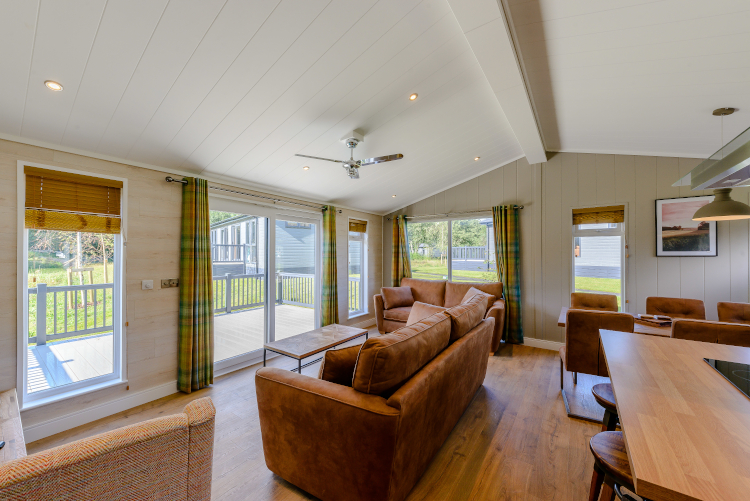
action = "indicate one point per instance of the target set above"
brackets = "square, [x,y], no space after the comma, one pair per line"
[329,301]
[196,328]
[401,262]
[507,255]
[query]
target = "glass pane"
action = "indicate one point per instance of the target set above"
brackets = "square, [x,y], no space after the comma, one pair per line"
[295,278]
[598,265]
[471,259]
[355,271]
[71,307]
[597,226]
[428,247]
[238,254]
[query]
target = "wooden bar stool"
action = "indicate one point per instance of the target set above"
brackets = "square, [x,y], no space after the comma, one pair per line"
[611,465]
[606,398]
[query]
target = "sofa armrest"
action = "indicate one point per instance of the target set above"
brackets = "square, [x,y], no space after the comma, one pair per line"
[379,308]
[329,440]
[497,311]
[201,416]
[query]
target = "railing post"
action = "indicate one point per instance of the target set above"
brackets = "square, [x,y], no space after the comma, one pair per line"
[41,314]
[228,292]
[280,290]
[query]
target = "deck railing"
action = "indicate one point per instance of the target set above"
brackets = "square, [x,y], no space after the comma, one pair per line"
[354,302]
[248,291]
[76,310]
[228,253]
[474,253]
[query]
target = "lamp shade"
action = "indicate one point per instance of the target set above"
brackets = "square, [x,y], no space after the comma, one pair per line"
[723,208]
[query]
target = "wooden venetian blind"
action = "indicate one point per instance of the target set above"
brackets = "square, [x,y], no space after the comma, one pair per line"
[71,202]
[597,215]
[357,225]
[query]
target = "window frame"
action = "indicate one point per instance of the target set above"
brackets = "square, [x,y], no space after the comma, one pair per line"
[362,274]
[119,314]
[620,230]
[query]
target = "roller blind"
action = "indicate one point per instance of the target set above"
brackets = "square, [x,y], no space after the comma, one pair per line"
[597,215]
[357,225]
[71,202]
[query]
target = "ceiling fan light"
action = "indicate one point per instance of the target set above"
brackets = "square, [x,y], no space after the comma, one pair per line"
[723,208]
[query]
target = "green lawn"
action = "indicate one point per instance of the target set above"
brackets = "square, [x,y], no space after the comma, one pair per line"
[608,285]
[433,269]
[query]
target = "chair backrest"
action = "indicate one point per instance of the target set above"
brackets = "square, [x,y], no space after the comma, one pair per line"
[590,301]
[676,307]
[735,313]
[712,332]
[583,351]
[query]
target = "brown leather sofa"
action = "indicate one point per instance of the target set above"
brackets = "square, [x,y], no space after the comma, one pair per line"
[441,293]
[676,307]
[363,441]
[591,301]
[712,332]
[735,313]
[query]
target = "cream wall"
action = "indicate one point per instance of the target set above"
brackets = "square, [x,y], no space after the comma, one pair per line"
[153,249]
[549,192]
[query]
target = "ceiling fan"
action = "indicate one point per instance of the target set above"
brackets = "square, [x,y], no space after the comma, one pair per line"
[351,140]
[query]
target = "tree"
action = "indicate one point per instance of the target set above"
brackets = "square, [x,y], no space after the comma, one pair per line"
[216,216]
[469,233]
[94,246]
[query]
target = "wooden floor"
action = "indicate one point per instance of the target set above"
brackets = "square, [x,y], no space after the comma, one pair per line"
[63,362]
[242,332]
[513,442]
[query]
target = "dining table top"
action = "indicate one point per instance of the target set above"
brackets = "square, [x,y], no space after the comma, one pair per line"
[686,427]
[640,327]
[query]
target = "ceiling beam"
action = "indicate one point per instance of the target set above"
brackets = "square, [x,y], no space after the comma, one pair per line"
[487,27]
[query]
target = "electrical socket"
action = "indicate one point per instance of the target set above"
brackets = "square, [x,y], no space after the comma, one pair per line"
[166,283]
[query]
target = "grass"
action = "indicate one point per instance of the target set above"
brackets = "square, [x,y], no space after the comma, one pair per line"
[608,285]
[433,269]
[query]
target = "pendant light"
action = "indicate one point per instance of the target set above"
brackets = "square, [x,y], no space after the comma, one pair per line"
[722,208]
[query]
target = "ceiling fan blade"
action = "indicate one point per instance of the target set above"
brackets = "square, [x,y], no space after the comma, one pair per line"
[320,158]
[380,160]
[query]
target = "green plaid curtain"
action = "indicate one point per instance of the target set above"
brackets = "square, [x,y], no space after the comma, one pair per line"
[329,302]
[196,330]
[401,262]
[505,222]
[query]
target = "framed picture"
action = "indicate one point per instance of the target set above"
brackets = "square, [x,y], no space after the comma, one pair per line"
[676,232]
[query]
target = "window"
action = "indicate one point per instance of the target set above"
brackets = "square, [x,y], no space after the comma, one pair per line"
[357,267]
[460,250]
[72,287]
[598,251]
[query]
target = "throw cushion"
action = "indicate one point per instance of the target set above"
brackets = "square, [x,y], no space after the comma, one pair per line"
[488,297]
[466,316]
[393,297]
[338,365]
[421,311]
[387,361]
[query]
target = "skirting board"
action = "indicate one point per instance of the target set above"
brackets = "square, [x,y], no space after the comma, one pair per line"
[70,421]
[543,344]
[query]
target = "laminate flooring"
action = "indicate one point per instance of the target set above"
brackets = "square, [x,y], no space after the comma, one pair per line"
[513,442]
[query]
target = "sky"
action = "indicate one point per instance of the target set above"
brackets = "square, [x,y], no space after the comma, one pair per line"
[681,213]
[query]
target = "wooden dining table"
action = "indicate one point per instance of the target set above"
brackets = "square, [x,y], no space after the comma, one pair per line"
[686,427]
[640,327]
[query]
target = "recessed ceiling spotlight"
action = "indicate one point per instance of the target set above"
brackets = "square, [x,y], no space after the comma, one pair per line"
[413,96]
[476,158]
[393,196]
[306,167]
[53,85]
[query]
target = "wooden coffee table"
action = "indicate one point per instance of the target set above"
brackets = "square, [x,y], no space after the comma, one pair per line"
[311,343]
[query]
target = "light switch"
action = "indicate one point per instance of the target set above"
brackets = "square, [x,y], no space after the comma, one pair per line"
[147,285]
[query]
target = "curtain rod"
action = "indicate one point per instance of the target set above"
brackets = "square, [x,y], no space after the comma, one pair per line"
[170,179]
[449,214]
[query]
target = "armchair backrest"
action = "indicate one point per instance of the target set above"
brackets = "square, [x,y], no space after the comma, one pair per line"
[583,350]
[676,307]
[591,301]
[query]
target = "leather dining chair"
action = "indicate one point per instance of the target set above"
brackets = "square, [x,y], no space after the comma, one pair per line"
[712,332]
[735,313]
[589,301]
[676,307]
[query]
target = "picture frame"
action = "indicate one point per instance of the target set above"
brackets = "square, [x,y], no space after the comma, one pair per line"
[678,235]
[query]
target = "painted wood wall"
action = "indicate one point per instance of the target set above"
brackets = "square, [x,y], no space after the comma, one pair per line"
[549,192]
[153,252]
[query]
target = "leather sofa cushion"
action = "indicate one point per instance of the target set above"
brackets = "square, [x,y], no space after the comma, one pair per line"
[385,362]
[466,316]
[589,301]
[400,314]
[455,291]
[736,313]
[676,307]
[393,297]
[338,365]
[426,291]
[421,311]
[473,291]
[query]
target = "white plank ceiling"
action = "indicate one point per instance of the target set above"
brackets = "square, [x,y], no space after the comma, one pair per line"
[232,89]
[636,76]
